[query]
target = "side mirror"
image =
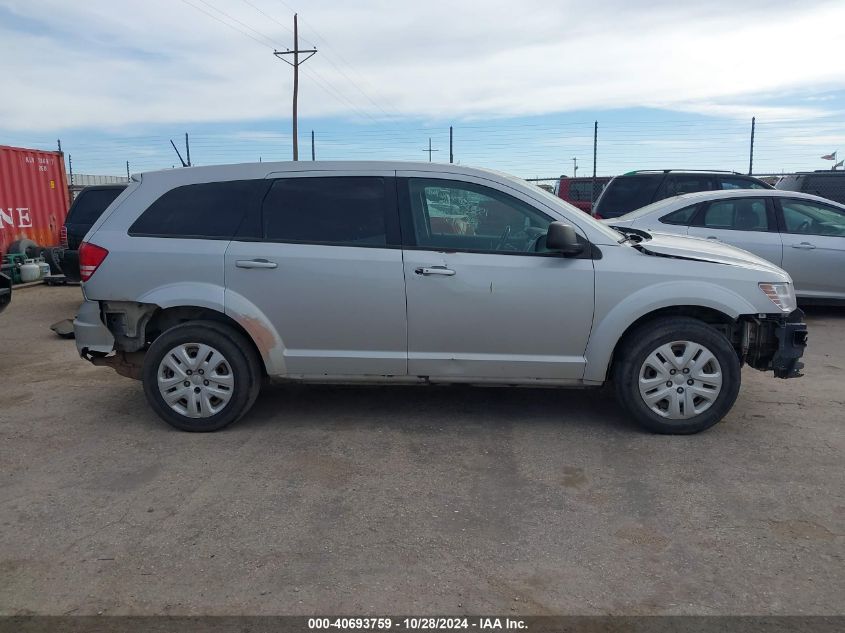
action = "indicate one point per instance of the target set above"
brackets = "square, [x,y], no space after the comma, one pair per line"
[562,237]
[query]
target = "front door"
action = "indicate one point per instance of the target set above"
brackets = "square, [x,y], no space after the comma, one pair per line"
[814,247]
[327,273]
[485,300]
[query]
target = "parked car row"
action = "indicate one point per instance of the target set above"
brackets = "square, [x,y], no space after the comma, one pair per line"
[802,233]
[637,189]
[202,281]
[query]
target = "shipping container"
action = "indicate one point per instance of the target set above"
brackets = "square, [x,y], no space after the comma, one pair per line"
[33,196]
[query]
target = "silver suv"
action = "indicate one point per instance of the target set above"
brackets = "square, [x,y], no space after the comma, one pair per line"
[203,282]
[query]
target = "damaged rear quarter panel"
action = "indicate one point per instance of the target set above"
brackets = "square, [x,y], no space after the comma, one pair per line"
[259,328]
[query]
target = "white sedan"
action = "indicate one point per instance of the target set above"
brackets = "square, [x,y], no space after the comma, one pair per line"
[803,234]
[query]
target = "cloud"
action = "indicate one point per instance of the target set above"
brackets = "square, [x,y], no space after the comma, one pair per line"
[77,65]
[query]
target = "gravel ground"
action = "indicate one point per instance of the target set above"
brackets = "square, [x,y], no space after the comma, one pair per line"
[412,500]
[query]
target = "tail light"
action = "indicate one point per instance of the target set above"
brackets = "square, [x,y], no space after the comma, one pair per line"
[90,258]
[63,237]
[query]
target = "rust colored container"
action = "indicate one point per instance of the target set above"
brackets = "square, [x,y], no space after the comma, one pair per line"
[33,196]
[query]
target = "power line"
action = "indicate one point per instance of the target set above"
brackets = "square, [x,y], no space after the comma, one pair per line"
[244,24]
[231,26]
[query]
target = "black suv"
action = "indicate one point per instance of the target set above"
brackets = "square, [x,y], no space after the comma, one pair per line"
[638,188]
[85,210]
[5,291]
[825,183]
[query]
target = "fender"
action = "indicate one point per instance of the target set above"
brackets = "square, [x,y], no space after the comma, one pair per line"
[609,329]
[245,313]
[260,329]
[199,295]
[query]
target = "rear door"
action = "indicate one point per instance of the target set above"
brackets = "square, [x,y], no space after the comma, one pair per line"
[326,271]
[748,223]
[485,300]
[813,246]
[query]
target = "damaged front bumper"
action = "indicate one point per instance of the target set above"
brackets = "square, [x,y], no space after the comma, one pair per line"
[776,344]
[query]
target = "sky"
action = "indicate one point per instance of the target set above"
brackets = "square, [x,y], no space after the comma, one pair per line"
[521,84]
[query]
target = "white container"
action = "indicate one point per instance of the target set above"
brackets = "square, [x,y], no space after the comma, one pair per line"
[43,267]
[30,271]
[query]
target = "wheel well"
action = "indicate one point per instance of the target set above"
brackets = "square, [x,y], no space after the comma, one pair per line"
[165,318]
[718,320]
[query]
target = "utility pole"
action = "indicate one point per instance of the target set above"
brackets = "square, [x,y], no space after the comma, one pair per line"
[595,152]
[70,167]
[59,142]
[187,150]
[297,62]
[429,150]
[451,155]
[313,150]
[127,171]
[751,153]
[574,167]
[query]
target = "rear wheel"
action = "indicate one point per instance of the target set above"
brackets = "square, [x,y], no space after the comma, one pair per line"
[201,376]
[677,376]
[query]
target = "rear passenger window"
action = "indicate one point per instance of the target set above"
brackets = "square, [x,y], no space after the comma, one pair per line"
[741,214]
[345,210]
[206,210]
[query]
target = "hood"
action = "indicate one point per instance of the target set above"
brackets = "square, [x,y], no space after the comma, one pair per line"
[700,249]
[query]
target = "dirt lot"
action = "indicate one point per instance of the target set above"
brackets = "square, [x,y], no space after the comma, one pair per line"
[389,500]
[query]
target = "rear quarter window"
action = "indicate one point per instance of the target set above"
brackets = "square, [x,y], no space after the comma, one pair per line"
[681,216]
[206,210]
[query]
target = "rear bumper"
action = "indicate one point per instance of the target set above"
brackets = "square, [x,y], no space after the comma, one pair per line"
[92,336]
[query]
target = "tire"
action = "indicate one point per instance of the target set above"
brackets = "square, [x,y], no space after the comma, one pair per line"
[234,373]
[52,256]
[25,247]
[639,373]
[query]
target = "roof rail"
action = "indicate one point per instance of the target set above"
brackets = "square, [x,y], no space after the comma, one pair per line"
[666,171]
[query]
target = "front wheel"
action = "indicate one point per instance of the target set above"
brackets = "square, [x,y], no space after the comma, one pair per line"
[201,376]
[677,376]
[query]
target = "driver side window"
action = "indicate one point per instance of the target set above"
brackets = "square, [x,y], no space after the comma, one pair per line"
[454,215]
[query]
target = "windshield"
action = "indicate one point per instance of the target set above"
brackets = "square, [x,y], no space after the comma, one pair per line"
[554,201]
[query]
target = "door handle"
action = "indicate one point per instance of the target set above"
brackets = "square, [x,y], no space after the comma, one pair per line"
[255,263]
[804,246]
[435,270]
[712,237]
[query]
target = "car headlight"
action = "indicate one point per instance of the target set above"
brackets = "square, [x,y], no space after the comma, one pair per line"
[782,295]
